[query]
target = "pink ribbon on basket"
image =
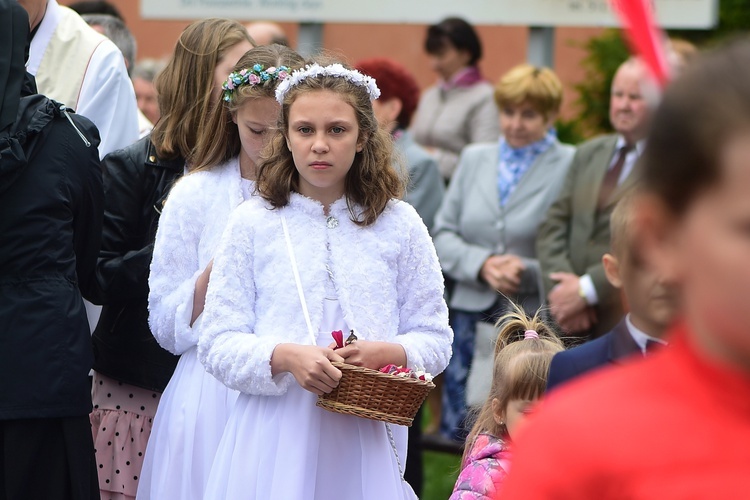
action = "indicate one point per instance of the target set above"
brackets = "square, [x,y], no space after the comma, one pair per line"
[338,337]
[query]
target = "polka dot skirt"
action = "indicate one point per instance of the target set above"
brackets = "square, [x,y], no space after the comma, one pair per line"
[121,423]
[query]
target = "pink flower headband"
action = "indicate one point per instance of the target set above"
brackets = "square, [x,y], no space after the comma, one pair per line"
[256,75]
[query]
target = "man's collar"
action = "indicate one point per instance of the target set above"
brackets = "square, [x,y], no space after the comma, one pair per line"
[639,145]
[641,338]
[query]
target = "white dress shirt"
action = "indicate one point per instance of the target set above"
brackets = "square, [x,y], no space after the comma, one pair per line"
[641,338]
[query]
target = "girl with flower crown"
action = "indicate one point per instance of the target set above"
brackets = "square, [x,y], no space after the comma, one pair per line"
[131,370]
[325,246]
[523,352]
[195,406]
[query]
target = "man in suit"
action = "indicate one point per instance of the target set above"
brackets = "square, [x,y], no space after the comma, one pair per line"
[571,241]
[652,302]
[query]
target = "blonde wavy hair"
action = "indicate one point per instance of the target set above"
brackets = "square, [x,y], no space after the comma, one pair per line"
[375,176]
[520,369]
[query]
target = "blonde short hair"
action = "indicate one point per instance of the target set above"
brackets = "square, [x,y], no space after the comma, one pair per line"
[526,83]
[621,223]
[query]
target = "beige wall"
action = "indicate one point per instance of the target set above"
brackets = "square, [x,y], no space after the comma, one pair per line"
[504,46]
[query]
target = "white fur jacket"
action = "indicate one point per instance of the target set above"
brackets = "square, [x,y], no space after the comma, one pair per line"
[190,227]
[387,276]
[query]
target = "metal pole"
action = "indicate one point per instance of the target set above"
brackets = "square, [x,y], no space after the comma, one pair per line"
[310,39]
[541,51]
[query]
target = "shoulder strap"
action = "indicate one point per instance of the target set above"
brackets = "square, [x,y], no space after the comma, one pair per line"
[297,280]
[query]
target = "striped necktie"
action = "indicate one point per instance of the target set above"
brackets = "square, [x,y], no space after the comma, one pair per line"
[612,177]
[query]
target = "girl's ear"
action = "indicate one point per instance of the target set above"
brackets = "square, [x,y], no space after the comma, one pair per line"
[498,414]
[612,270]
[234,117]
[393,107]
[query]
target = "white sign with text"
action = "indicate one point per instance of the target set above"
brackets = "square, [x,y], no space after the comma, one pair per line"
[688,14]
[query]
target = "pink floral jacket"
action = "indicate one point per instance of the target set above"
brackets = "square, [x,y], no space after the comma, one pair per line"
[484,470]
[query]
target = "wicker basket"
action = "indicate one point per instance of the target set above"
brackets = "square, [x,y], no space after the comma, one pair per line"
[367,393]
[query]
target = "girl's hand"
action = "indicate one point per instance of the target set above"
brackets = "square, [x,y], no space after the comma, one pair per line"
[310,365]
[373,355]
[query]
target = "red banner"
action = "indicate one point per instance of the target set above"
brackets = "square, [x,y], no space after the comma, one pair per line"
[646,39]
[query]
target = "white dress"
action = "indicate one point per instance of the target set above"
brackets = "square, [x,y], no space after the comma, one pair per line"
[388,287]
[327,456]
[190,419]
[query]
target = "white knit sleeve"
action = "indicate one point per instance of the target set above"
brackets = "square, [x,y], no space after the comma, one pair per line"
[228,346]
[174,270]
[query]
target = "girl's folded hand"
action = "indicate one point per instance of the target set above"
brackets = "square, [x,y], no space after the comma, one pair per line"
[373,355]
[310,365]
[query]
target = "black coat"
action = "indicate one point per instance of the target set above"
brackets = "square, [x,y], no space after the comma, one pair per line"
[51,204]
[136,183]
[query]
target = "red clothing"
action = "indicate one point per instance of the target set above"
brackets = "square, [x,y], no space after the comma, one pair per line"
[672,426]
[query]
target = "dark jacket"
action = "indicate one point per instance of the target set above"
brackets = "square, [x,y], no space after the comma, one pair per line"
[136,183]
[51,203]
[612,347]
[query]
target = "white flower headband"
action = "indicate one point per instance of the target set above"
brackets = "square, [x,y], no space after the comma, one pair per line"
[335,70]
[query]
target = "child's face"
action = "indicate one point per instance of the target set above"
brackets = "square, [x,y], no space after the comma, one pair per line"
[708,251]
[514,414]
[652,300]
[255,120]
[323,137]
